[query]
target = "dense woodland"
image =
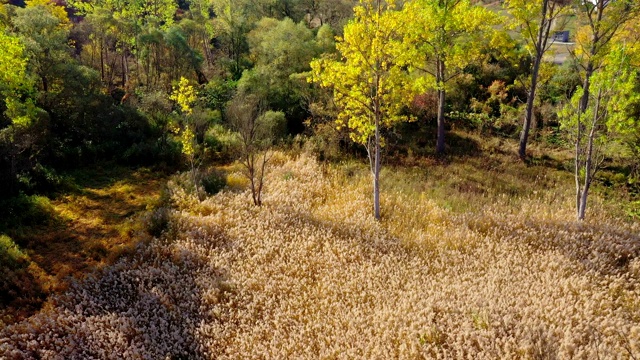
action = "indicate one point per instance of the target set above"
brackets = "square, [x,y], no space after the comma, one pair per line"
[93,81]
[461,138]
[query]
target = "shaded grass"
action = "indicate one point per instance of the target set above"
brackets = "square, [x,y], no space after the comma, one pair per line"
[74,233]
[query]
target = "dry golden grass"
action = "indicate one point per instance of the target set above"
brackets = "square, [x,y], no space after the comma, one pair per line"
[89,228]
[311,275]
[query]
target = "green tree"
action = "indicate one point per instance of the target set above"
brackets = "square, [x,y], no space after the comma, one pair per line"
[600,22]
[119,25]
[157,106]
[45,38]
[281,51]
[370,85]
[200,28]
[534,19]
[13,77]
[443,37]
[232,23]
[595,128]
[18,112]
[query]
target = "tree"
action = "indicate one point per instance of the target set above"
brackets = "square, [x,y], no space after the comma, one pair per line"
[630,37]
[281,51]
[13,65]
[601,19]
[118,28]
[45,37]
[18,112]
[534,20]
[157,106]
[594,128]
[328,12]
[258,129]
[370,85]
[184,95]
[444,36]
[232,23]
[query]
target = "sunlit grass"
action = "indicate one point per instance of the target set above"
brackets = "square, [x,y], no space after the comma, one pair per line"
[473,258]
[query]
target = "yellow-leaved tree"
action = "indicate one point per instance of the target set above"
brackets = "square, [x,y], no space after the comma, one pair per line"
[443,37]
[370,85]
[184,95]
[534,20]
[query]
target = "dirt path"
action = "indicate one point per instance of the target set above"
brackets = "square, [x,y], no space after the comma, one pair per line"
[90,227]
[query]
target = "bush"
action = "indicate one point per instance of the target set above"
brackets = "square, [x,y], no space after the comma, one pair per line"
[221,143]
[25,210]
[325,142]
[151,153]
[41,180]
[157,221]
[10,254]
[18,287]
[213,181]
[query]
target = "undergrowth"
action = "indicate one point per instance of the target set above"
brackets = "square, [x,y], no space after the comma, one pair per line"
[310,274]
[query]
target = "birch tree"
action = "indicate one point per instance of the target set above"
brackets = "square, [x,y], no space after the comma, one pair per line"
[601,21]
[594,128]
[370,86]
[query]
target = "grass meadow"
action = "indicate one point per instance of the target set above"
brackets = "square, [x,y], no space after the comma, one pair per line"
[476,258]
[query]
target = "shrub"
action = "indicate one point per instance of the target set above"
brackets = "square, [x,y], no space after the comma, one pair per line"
[221,143]
[213,181]
[157,221]
[25,210]
[11,256]
[152,152]
[46,179]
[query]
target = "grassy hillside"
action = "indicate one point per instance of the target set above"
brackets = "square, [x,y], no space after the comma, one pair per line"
[474,258]
[47,243]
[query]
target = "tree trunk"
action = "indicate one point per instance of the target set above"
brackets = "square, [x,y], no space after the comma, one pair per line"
[586,84]
[583,203]
[376,172]
[577,165]
[12,175]
[440,72]
[524,136]
[588,168]
[206,49]
[251,168]
[45,84]
[263,165]
[541,46]
[125,69]
[102,59]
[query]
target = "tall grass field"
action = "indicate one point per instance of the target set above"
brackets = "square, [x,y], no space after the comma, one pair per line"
[476,259]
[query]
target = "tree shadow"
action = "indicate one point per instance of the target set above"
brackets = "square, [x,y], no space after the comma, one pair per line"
[419,139]
[149,305]
[597,248]
[81,230]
